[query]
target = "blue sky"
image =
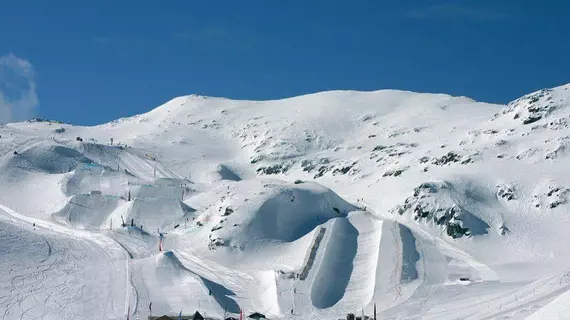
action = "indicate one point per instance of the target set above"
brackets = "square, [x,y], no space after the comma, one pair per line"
[88,62]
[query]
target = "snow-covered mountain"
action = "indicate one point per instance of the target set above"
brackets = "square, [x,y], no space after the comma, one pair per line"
[426,206]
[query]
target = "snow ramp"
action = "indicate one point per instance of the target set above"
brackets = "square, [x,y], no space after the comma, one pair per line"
[163,280]
[370,264]
[88,211]
[162,213]
[337,265]
[93,176]
[360,259]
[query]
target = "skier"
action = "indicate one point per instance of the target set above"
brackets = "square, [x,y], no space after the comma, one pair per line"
[161,236]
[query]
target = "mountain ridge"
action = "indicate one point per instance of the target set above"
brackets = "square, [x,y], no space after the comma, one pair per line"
[421,204]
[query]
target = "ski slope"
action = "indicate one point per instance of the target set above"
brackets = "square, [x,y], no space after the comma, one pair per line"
[421,206]
[54,272]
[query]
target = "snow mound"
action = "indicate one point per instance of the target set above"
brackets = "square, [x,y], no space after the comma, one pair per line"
[291,212]
[249,214]
[88,211]
[48,157]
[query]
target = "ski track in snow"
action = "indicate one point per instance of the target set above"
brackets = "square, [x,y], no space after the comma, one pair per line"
[65,259]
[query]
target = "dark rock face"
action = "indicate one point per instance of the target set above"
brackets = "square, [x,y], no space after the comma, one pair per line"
[553,198]
[343,170]
[323,166]
[424,159]
[556,197]
[455,230]
[256,159]
[395,150]
[451,157]
[215,243]
[424,188]
[504,230]
[532,118]
[274,169]
[321,172]
[228,211]
[394,172]
[530,108]
[506,192]
[45,120]
[310,165]
[425,205]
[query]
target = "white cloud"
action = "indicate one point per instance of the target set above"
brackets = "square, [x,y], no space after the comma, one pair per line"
[18,97]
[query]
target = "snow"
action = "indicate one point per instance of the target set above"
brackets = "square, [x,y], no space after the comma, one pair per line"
[426,206]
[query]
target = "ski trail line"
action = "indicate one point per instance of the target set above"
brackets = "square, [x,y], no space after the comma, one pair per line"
[86,235]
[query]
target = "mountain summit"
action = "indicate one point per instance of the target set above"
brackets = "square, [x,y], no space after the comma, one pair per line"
[416,205]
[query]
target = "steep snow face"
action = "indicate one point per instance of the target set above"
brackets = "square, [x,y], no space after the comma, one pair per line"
[421,205]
